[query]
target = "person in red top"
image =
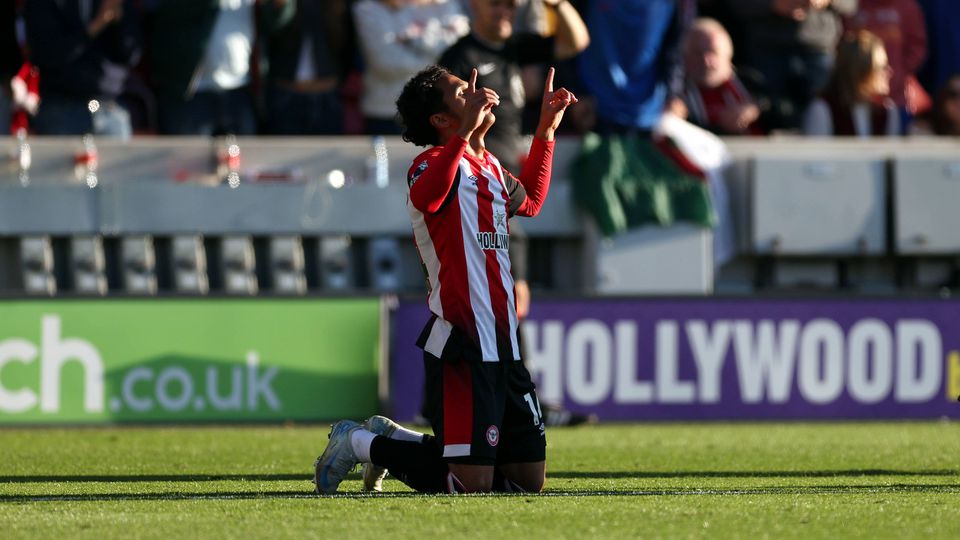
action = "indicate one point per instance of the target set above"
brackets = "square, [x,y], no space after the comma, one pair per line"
[481,401]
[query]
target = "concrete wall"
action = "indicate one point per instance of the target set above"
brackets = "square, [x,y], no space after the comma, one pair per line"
[834,214]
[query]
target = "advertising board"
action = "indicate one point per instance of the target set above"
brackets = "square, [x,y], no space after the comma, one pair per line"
[698,359]
[182,360]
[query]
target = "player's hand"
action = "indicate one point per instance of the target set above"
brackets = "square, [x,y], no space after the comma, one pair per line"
[551,111]
[478,102]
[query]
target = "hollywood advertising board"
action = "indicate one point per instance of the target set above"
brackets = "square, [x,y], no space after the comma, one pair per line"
[701,359]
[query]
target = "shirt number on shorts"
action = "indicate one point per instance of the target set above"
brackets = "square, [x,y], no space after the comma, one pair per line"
[534,408]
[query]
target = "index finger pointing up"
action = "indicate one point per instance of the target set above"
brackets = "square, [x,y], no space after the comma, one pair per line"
[473,80]
[549,85]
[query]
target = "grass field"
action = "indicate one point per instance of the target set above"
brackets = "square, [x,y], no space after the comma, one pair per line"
[866,480]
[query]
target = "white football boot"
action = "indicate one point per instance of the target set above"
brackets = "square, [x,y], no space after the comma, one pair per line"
[373,475]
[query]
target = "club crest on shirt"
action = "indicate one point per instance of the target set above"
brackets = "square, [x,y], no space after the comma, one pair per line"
[493,435]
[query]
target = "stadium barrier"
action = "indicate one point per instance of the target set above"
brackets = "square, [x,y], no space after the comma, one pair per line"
[711,359]
[188,360]
[299,215]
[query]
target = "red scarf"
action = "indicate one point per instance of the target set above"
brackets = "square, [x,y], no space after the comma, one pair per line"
[706,104]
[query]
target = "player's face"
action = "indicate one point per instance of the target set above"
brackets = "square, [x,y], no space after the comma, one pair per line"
[453,88]
[493,19]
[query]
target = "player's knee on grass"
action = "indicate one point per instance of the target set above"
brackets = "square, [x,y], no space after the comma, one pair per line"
[530,477]
[532,485]
[472,478]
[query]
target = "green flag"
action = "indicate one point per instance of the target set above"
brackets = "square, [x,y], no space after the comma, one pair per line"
[626,181]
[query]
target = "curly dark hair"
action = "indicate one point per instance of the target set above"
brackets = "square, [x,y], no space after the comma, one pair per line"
[419,100]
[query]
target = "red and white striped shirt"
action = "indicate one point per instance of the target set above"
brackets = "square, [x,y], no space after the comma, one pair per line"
[459,206]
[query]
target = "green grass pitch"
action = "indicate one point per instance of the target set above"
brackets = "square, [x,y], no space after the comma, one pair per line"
[797,480]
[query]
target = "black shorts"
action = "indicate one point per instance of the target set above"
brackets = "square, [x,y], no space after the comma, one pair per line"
[484,413]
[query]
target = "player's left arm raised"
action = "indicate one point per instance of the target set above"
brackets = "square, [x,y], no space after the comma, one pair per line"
[535,176]
[552,107]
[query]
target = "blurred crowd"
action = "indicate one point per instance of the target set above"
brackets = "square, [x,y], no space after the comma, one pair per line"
[335,67]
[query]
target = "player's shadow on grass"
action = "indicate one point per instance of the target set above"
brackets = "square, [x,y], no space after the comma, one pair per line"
[120,478]
[14,479]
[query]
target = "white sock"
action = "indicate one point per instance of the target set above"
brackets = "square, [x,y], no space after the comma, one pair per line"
[404,434]
[360,440]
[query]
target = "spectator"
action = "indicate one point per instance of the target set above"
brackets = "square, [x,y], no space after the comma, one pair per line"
[791,43]
[633,67]
[857,100]
[83,51]
[720,11]
[944,117]
[10,60]
[531,15]
[309,55]
[202,63]
[398,38]
[944,42]
[714,96]
[499,55]
[899,24]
